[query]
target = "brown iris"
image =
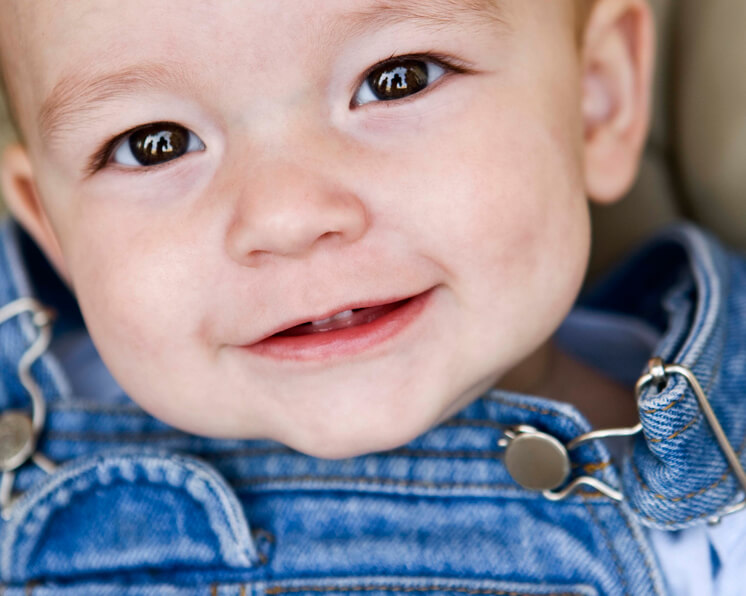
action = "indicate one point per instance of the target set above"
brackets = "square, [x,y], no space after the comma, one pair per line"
[159,142]
[397,79]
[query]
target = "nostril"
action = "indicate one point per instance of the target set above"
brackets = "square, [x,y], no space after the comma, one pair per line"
[326,235]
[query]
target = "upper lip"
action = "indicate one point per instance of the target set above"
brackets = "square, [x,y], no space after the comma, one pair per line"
[329,313]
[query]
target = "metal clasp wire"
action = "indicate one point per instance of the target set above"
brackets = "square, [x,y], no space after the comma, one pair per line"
[42,320]
[658,373]
[594,483]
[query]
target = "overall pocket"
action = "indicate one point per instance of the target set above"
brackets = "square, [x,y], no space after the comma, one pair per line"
[121,513]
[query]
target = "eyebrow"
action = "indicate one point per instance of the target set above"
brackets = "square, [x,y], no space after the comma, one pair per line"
[77,95]
[429,13]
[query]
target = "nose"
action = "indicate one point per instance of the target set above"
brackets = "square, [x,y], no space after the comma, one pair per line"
[288,211]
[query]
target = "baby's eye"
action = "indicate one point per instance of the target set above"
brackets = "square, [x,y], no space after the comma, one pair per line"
[396,79]
[155,144]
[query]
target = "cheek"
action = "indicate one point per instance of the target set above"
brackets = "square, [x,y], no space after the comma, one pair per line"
[508,221]
[512,200]
[133,287]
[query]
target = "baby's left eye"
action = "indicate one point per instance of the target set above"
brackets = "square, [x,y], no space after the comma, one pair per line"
[154,144]
[396,79]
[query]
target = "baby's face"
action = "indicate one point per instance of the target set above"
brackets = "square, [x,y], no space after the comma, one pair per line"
[421,162]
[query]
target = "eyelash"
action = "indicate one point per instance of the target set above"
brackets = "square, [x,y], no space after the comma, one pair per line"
[103,156]
[449,64]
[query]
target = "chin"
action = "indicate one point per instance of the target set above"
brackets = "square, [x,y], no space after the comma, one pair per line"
[352,441]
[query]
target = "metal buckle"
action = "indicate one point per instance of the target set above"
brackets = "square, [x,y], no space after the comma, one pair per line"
[538,461]
[658,373]
[19,432]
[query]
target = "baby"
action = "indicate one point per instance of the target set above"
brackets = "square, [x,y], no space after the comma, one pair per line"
[353,228]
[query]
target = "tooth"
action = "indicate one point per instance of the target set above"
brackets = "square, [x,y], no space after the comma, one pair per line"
[346,314]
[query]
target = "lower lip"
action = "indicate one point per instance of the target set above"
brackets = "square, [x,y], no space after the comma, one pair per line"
[343,342]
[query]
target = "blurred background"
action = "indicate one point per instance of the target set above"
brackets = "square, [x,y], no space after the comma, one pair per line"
[695,161]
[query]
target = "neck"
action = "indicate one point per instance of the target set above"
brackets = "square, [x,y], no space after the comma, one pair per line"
[550,372]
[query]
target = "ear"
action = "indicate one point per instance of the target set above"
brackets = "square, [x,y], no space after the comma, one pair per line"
[22,199]
[618,55]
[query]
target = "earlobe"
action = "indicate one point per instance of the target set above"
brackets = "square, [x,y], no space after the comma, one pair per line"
[22,200]
[617,72]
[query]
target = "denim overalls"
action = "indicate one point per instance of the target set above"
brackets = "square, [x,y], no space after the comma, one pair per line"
[119,503]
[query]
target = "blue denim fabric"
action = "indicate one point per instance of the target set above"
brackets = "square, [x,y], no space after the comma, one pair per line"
[137,507]
[695,291]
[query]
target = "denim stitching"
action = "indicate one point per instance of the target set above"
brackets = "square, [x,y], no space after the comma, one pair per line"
[593,467]
[459,454]
[686,427]
[248,482]
[674,403]
[244,482]
[648,565]
[545,411]
[687,519]
[684,395]
[609,546]
[677,401]
[214,590]
[91,467]
[95,437]
[475,422]
[700,492]
[259,451]
[104,409]
[404,589]
[215,587]
[535,409]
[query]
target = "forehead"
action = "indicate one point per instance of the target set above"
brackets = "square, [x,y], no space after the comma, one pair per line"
[71,50]
[64,44]
[115,24]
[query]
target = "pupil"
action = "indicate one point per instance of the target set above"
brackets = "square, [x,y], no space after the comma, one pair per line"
[398,79]
[158,143]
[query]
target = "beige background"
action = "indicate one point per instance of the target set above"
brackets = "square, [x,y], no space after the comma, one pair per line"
[6,133]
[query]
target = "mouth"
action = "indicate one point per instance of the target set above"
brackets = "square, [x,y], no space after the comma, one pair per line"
[343,333]
[343,320]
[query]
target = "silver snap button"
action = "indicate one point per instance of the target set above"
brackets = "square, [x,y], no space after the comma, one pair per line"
[16,440]
[537,461]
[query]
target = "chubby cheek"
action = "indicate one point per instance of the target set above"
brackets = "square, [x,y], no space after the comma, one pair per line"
[137,296]
[514,214]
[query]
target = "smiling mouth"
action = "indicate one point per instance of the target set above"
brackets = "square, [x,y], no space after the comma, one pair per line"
[343,320]
[345,334]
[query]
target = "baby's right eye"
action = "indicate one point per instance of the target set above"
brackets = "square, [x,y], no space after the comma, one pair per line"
[154,144]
